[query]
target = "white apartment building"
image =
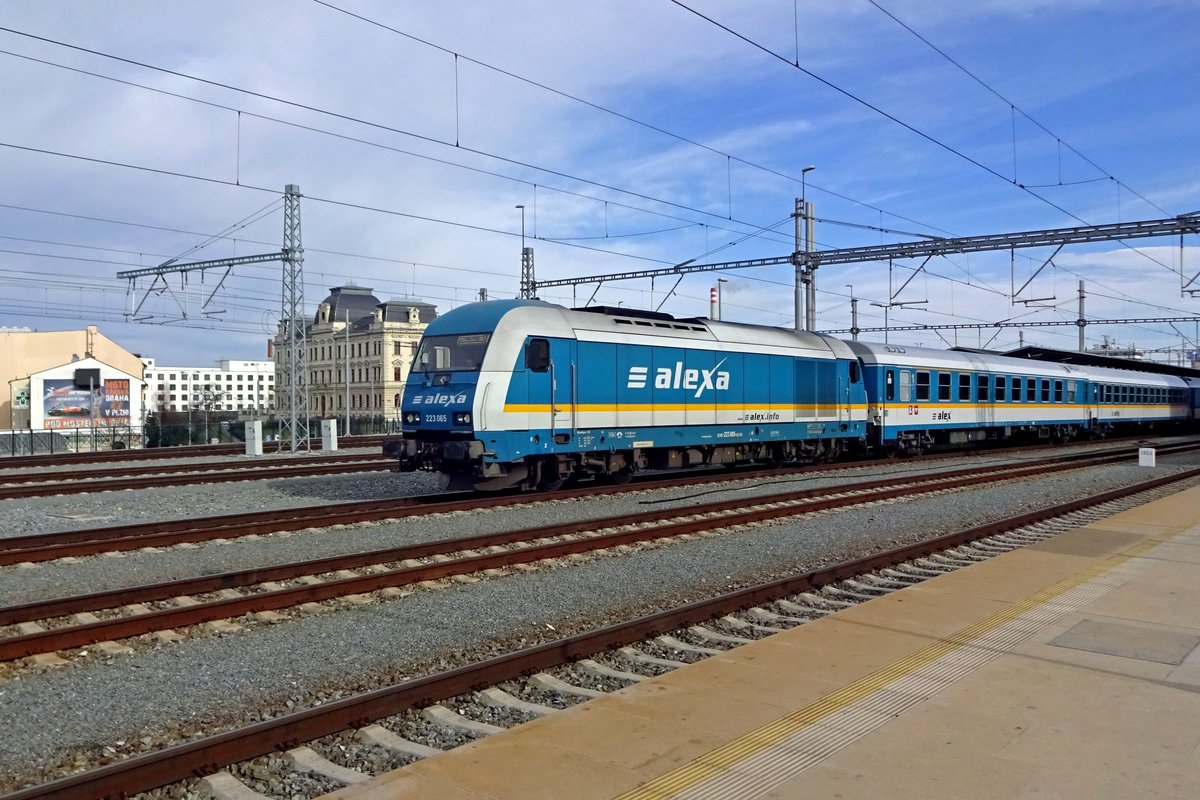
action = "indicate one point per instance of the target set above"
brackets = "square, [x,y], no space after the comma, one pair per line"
[247,387]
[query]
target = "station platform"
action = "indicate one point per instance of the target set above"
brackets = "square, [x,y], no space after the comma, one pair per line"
[1066,669]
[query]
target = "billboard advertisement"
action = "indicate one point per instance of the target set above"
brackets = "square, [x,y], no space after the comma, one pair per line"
[65,405]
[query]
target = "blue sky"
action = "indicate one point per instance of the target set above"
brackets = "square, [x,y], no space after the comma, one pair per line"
[636,134]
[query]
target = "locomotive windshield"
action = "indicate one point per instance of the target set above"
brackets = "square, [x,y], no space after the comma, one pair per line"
[460,352]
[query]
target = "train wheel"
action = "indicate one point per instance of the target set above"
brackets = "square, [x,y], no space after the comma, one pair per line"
[622,476]
[549,480]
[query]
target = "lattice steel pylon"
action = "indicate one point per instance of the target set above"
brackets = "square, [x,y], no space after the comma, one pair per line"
[291,385]
[528,283]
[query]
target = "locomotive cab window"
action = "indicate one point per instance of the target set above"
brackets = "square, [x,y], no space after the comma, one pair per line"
[537,355]
[854,372]
[462,352]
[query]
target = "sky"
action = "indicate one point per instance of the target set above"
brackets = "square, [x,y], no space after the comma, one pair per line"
[636,134]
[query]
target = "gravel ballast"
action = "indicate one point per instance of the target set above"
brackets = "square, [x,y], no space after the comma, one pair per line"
[206,681]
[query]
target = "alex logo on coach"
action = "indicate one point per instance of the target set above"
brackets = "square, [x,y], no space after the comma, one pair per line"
[699,380]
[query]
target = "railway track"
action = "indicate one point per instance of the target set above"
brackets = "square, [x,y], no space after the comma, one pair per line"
[157,453]
[47,627]
[646,645]
[42,484]
[92,541]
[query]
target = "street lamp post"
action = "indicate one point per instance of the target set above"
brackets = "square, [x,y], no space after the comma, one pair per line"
[853,312]
[888,306]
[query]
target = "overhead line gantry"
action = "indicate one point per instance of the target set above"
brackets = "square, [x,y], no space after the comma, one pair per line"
[807,261]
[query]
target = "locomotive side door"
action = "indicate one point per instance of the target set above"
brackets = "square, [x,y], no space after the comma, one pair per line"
[553,380]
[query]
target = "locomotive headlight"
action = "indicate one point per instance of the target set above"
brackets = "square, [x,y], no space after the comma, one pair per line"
[462,418]
[410,418]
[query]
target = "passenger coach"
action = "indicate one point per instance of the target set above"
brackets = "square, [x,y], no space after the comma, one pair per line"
[923,399]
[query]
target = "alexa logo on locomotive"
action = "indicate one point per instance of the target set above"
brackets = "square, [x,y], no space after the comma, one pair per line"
[699,380]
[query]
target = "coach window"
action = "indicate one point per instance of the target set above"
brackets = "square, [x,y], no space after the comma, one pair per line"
[889,385]
[905,386]
[1016,390]
[922,386]
[537,355]
[964,387]
[1001,388]
[1045,390]
[1058,391]
[1031,390]
[943,386]
[1072,389]
[985,385]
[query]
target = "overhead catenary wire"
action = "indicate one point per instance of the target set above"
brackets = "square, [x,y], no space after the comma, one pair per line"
[1017,109]
[893,118]
[401,259]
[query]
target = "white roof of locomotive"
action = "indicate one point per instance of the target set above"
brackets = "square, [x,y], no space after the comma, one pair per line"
[695,334]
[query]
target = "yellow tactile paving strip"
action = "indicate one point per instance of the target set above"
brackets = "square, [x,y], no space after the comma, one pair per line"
[744,767]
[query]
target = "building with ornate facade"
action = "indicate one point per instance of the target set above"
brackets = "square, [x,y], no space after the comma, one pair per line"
[360,351]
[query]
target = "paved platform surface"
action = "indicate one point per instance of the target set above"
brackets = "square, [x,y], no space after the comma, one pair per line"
[1067,669]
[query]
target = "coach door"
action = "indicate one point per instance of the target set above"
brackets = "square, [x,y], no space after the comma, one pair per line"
[897,393]
[985,408]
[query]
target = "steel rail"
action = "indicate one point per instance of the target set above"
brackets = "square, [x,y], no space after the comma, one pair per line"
[156,453]
[159,469]
[230,474]
[763,508]
[47,546]
[209,754]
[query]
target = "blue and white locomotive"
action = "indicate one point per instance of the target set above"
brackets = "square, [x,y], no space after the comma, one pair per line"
[524,393]
[527,394]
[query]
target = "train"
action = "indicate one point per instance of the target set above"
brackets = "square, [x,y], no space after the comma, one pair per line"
[525,394]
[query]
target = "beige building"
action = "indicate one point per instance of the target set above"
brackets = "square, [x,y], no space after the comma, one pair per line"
[24,353]
[359,352]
